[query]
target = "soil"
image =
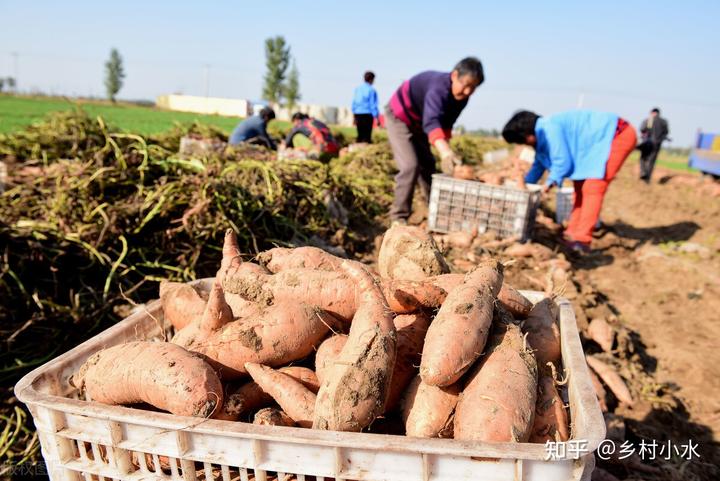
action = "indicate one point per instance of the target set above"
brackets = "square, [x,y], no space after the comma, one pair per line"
[654,276]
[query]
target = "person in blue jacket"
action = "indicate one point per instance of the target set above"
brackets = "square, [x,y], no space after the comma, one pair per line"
[253,130]
[365,108]
[585,146]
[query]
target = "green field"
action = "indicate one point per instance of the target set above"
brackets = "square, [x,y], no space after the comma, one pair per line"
[18,112]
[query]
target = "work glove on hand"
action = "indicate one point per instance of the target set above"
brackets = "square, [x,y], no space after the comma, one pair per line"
[448,161]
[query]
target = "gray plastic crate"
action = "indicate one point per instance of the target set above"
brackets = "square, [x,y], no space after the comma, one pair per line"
[563,204]
[464,205]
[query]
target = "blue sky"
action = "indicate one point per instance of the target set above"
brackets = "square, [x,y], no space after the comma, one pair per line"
[621,56]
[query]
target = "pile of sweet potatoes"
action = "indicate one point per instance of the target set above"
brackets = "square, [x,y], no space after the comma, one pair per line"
[304,338]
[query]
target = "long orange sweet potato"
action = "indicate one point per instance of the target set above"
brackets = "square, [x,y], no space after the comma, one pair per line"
[283,258]
[517,304]
[330,291]
[543,332]
[181,303]
[294,398]
[250,396]
[428,410]
[158,373]
[458,333]
[279,334]
[410,253]
[405,297]
[612,379]
[411,330]
[498,402]
[355,390]
[327,353]
[551,422]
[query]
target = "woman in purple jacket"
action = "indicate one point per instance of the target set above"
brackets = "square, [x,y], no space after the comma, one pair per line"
[420,113]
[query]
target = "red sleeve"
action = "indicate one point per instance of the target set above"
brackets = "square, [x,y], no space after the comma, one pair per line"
[439,133]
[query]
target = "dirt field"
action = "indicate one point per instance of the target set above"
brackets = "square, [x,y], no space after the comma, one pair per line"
[659,267]
[654,276]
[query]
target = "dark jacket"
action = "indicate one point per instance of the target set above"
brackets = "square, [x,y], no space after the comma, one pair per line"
[251,128]
[654,129]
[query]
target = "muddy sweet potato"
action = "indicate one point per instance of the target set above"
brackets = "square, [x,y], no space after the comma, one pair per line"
[612,379]
[181,303]
[251,397]
[292,396]
[600,331]
[272,417]
[543,332]
[157,373]
[410,253]
[330,291]
[458,333]
[498,402]
[279,334]
[411,330]
[327,353]
[551,422]
[356,387]
[517,304]
[427,411]
[307,257]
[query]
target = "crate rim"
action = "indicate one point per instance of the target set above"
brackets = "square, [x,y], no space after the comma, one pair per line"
[593,428]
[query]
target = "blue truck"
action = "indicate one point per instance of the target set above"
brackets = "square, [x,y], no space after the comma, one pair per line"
[705,156]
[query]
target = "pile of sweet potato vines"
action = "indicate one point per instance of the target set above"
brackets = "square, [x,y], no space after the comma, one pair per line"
[92,218]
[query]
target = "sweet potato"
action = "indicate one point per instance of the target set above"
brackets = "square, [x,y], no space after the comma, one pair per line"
[551,423]
[427,411]
[330,291]
[599,390]
[279,334]
[181,303]
[411,330]
[537,251]
[241,308]
[498,402]
[612,379]
[513,301]
[405,297]
[543,332]
[466,172]
[250,396]
[157,373]
[410,253]
[356,387]
[458,333]
[272,417]
[283,258]
[292,396]
[600,331]
[327,354]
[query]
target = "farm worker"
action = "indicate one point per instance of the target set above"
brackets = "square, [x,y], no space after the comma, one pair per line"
[421,113]
[586,146]
[253,130]
[653,131]
[310,133]
[365,108]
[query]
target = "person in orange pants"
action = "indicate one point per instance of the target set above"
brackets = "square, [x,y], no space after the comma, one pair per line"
[586,146]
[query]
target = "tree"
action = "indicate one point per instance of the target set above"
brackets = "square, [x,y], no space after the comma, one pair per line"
[2,84]
[292,88]
[10,83]
[114,74]
[277,59]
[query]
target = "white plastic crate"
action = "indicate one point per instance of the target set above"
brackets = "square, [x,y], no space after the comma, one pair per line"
[91,441]
[563,204]
[466,205]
